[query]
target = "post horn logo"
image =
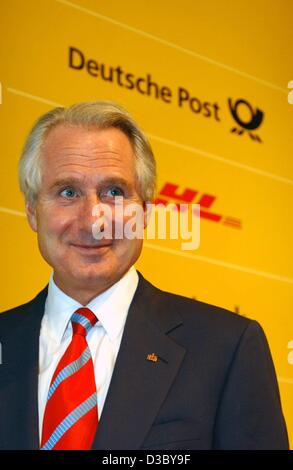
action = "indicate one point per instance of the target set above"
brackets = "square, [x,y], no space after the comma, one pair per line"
[254,121]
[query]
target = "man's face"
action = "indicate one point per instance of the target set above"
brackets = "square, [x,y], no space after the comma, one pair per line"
[82,168]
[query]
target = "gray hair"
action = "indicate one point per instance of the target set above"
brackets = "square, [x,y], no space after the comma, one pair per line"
[100,114]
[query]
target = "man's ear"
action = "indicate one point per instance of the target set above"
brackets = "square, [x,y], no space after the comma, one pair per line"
[31,215]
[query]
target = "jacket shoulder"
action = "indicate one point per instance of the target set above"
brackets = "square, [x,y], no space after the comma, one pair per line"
[205,312]
[16,314]
[197,315]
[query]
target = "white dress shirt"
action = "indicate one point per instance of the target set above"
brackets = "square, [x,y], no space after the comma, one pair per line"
[110,307]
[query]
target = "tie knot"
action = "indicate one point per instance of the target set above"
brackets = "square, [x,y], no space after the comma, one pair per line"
[82,321]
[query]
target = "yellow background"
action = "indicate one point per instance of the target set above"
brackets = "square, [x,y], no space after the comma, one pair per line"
[214,49]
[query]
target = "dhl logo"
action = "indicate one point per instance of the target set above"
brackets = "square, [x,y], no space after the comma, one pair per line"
[188,195]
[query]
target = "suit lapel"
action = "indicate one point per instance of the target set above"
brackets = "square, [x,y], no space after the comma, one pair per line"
[139,386]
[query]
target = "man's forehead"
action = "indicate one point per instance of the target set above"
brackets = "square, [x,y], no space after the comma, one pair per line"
[70,159]
[78,146]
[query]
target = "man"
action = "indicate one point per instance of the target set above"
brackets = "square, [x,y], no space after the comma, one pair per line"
[100,358]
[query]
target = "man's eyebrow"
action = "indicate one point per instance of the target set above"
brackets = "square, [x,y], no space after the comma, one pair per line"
[65,182]
[109,180]
[106,181]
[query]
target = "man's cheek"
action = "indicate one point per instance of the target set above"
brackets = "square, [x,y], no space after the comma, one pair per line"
[59,223]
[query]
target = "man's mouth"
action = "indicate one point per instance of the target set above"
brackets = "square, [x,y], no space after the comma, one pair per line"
[91,248]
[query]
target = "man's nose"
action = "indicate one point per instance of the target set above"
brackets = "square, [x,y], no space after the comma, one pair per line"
[87,212]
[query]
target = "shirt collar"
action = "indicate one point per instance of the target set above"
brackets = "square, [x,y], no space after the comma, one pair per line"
[110,307]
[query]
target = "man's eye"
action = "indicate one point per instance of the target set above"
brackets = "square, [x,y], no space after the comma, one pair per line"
[114,192]
[68,193]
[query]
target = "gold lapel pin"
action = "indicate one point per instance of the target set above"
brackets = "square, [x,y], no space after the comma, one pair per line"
[152,357]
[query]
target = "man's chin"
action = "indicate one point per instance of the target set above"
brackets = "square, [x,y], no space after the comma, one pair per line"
[92,275]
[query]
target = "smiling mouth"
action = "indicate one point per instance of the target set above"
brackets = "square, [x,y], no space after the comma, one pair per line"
[91,248]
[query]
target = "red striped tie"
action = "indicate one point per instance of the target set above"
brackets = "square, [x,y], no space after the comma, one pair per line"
[71,414]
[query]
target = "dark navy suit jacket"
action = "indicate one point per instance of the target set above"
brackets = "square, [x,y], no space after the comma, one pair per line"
[212,387]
